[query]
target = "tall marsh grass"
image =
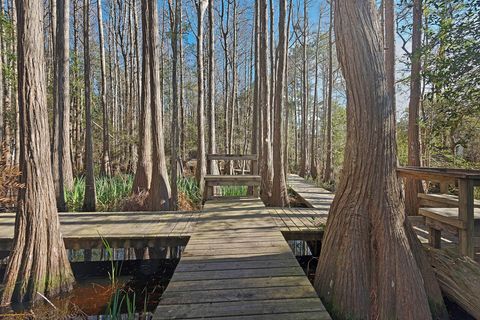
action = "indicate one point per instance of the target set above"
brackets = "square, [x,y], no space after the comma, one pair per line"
[112,191]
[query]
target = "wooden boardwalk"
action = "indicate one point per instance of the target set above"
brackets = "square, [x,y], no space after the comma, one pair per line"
[237,265]
[84,230]
[312,196]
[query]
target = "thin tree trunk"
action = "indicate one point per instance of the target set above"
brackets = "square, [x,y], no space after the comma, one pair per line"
[279,190]
[414,187]
[234,67]
[313,159]
[62,165]
[370,265]
[256,131]
[267,170]
[212,143]
[183,151]
[105,167]
[38,262]
[328,173]
[89,201]
[303,141]
[159,197]
[201,159]
[174,26]
[287,106]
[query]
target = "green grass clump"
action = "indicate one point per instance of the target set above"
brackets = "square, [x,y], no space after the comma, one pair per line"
[110,192]
[233,191]
[189,186]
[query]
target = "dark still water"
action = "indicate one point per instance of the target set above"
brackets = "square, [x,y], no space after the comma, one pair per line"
[132,293]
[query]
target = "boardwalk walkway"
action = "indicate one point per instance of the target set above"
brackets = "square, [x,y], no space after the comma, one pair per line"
[313,196]
[237,265]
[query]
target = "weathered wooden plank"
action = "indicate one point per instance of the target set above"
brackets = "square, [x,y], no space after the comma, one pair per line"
[236,265]
[242,294]
[237,308]
[217,284]
[315,315]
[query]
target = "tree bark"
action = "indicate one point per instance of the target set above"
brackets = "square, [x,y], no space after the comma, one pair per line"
[279,190]
[328,171]
[266,169]
[313,158]
[105,168]
[38,262]
[143,174]
[370,267]
[201,158]
[212,143]
[174,27]
[89,201]
[62,163]
[414,187]
[159,197]
[303,141]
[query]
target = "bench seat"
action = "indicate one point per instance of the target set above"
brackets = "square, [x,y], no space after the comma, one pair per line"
[441,200]
[447,219]
[233,180]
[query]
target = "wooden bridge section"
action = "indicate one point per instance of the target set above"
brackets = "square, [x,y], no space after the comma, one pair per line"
[237,265]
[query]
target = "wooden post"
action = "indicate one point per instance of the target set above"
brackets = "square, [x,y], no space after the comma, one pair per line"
[465,214]
[444,187]
[435,237]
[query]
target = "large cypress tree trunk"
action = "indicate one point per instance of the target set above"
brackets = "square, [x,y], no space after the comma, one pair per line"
[266,167]
[90,199]
[143,174]
[38,262]
[62,162]
[279,190]
[414,187]
[371,267]
[159,197]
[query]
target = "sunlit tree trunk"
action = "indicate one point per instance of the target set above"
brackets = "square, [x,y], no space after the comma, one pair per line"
[304,140]
[414,187]
[105,167]
[143,174]
[38,262]
[279,190]
[266,167]
[159,197]
[201,158]
[371,265]
[62,164]
[212,142]
[313,149]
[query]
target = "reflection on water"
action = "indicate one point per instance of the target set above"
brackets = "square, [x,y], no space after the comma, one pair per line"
[143,281]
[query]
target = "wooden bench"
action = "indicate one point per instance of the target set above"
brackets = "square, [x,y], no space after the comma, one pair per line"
[435,200]
[447,219]
[460,219]
[250,180]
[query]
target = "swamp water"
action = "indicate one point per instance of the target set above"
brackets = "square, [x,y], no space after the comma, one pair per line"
[133,293]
